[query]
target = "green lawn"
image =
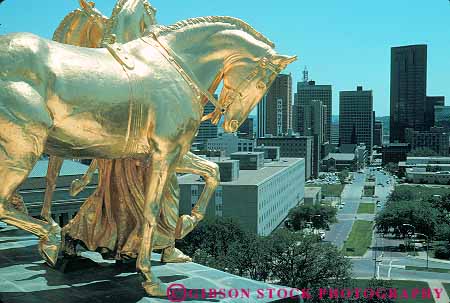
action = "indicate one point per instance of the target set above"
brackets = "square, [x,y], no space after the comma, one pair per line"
[366,208]
[359,239]
[329,190]
[400,285]
[369,190]
[447,287]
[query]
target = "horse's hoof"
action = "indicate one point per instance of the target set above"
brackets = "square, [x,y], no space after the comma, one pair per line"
[50,245]
[185,225]
[174,255]
[155,289]
[76,187]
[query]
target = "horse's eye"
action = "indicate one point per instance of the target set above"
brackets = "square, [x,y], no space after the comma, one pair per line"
[260,85]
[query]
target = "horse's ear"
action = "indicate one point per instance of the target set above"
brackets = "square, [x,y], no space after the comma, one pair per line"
[282,60]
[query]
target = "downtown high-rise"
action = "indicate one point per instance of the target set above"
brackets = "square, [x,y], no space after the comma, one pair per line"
[408,90]
[308,91]
[356,117]
[276,107]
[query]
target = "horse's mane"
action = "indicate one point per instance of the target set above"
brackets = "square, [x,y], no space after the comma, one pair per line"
[161,29]
[57,35]
[149,9]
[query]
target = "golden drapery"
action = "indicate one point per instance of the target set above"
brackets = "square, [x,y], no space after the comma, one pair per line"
[110,220]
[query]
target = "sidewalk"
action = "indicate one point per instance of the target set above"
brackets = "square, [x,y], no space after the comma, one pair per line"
[443,296]
[423,256]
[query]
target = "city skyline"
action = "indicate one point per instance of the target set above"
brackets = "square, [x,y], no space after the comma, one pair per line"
[322,34]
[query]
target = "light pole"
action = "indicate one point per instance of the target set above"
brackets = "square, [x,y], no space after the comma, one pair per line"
[428,241]
[414,231]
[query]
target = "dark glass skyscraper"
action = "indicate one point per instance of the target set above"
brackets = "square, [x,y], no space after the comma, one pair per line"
[408,90]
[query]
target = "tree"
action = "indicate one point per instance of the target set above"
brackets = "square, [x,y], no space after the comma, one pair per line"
[303,262]
[383,293]
[320,216]
[342,175]
[213,238]
[252,257]
[422,152]
[392,167]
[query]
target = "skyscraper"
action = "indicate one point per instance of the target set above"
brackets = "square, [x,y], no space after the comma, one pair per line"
[207,130]
[408,90]
[356,117]
[378,133]
[278,106]
[431,102]
[307,92]
[261,132]
[315,123]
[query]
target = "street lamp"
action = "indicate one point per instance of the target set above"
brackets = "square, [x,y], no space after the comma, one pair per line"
[414,231]
[428,242]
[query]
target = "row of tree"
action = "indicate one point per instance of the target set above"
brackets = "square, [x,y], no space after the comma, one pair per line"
[288,258]
[429,214]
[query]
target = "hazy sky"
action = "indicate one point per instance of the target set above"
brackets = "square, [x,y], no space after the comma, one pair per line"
[344,43]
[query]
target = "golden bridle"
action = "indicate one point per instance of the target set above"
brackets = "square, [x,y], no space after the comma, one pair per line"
[265,63]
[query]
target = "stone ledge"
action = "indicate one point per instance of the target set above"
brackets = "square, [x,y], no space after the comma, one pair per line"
[24,278]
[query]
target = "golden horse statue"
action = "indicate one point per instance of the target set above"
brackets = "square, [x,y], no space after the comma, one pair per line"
[101,224]
[142,100]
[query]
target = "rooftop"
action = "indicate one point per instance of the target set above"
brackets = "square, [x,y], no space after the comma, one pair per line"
[340,156]
[249,177]
[69,168]
[25,278]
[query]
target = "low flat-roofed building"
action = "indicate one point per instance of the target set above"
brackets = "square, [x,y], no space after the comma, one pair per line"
[339,161]
[270,152]
[249,160]
[259,199]
[436,139]
[421,175]
[313,195]
[64,206]
[395,152]
[424,164]
[230,143]
[293,147]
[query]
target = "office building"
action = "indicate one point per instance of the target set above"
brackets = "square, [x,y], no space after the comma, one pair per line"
[245,131]
[262,117]
[426,170]
[356,117]
[394,152]
[230,143]
[435,139]
[335,133]
[442,117]
[308,91]
[259,199]
[278,106]
[293,147]
[206,130]
[431,103]
[408,90]
[378,133]
[315,123]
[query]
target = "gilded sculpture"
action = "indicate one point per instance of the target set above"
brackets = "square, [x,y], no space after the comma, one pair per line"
[141,100]
[109,220]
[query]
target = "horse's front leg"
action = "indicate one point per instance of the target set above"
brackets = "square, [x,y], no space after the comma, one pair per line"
[161,167]
[194,164]
[54,167]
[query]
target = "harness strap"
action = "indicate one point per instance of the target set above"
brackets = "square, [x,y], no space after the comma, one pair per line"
[167,53]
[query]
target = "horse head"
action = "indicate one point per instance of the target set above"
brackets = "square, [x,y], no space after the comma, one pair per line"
[244,85]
